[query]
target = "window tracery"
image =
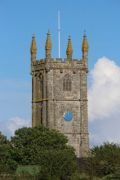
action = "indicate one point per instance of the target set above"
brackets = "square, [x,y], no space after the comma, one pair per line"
[67,83]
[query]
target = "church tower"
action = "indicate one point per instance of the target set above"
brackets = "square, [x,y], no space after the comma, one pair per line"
[59,93]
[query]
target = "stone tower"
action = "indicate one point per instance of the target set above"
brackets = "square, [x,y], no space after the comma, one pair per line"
[59,93]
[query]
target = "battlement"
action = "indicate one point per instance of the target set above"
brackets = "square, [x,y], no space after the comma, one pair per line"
[56,60]
[58,63]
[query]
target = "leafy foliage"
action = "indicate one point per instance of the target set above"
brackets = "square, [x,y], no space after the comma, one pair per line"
[106,158]
[46,148]
[7,164]
[31,170]
[3,139]
[103,162]
[30,143]
[44,153]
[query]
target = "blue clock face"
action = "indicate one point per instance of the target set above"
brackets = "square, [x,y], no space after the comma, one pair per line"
[68,116]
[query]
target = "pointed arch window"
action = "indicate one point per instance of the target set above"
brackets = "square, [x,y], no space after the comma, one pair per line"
[67,84]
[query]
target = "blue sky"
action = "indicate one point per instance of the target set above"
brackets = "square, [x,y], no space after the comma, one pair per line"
[20,19]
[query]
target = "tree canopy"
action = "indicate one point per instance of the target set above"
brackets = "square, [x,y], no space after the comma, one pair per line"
[106,159]
[46,153]
[103,162]
[7,164]
[46,148]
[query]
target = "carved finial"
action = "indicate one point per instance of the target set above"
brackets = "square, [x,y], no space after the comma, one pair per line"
[48,41]
[48,45]
[33,48]
[85,43]
[69,50]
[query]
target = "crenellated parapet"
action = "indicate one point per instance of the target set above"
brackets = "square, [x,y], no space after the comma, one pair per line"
[58,64]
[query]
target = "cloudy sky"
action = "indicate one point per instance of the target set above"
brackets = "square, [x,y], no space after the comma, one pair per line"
[20,19]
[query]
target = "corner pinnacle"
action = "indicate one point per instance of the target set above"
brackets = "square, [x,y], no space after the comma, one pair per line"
[48,44]
[69,50]
[33,48]
[85,43]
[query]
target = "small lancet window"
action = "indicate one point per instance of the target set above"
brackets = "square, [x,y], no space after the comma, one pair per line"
[67,83]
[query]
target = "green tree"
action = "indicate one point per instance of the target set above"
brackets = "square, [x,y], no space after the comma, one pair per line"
[3,139]
[106,159]
[103,162]
[46,148]
[7,164]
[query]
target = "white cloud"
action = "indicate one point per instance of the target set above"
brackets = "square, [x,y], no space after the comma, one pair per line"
[104,93]
[16,123]
[104,101]
[8,127]
[15,102]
